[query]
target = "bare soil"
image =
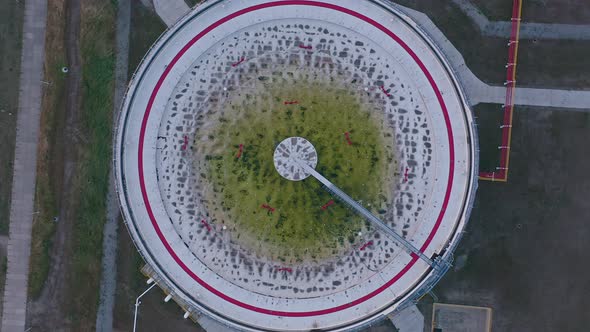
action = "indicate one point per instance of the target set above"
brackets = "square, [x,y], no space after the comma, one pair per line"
[48,313]
[526,244]
[540,11]
[50,149]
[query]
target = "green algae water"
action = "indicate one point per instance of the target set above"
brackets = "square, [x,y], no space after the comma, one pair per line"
[236,160]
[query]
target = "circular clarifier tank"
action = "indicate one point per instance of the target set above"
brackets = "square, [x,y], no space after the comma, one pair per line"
[220,114]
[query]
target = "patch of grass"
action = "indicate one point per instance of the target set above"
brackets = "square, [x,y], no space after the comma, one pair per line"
[49,168]
[11,14]
[192,3]
[130,282]
[489,120]
[98,60]
[146,27]
[495,10]
[299,228]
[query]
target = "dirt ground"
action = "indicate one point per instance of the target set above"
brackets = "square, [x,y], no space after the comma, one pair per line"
[526,244]
[541,11]
[48,311]
[541,63]
[11,20]
[50,149]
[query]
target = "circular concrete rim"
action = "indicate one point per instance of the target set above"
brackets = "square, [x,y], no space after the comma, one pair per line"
[284,155]
[470,190]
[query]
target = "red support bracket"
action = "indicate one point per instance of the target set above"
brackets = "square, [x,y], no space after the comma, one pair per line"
[347,135]
[364,246]
[235,64]
[240,150]
[284,269]
[268,207]
[325,206]
[206,224]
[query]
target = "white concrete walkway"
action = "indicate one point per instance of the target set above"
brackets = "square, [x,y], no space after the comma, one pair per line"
[170,11]
[25,167]
[527,30]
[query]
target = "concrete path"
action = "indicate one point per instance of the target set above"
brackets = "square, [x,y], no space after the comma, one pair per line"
[108,282]
[527,30]
[480,92]
[575,100]
[25,166]
[408,320]
[170,11]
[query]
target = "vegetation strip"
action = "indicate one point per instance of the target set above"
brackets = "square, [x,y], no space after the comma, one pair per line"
[49,152]
[98,60]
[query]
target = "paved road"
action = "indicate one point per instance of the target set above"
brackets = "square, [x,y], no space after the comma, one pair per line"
[25,166]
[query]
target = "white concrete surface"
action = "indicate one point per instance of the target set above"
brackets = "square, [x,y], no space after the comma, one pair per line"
[401,71]
[409,320]
[289,153]
[170,11]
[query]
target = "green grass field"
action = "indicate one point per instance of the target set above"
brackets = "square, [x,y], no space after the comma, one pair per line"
[299,228]
[97,47]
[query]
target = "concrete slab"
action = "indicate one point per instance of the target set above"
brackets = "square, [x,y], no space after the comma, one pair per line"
[461,318]
[170,11]
[409,320]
